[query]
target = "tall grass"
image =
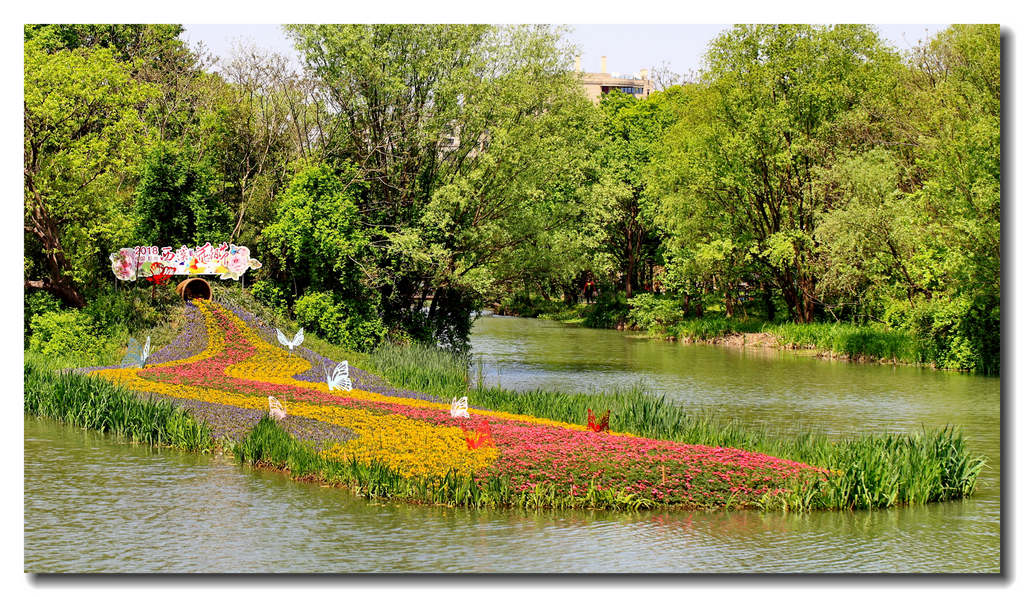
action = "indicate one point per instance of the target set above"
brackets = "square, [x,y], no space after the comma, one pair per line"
[423,368]
[709,328]
[870,471]
[851,340]
[93,403]
[268,445]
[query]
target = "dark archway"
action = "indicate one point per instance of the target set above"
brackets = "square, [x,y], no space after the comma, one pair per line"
[194,288]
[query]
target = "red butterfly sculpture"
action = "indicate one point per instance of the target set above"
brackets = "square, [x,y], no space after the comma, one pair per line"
[479,438]
[158,275]
[598,426]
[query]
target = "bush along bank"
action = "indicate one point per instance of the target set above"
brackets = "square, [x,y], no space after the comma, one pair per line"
[387,442]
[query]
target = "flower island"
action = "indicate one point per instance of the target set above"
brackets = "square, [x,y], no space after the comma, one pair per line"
[384,442]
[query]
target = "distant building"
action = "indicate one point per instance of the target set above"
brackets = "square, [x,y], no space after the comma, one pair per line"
[597,84]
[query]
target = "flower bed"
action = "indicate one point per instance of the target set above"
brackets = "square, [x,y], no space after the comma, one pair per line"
[418,438]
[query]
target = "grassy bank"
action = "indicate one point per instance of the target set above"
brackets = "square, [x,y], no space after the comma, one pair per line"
[92,403]
[852,341]
[871,471]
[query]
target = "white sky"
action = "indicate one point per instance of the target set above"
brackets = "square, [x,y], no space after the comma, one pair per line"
[629,48]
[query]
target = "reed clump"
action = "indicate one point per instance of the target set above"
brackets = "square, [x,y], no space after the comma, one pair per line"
[93,403]
[710,328]
[851,340]
[422,368]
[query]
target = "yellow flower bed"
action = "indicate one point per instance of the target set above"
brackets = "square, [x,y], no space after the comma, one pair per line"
[411,447]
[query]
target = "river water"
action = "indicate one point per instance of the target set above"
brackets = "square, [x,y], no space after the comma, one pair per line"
[92,505]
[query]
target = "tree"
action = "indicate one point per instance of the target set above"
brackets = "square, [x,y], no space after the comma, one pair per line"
[316,240]
[83,134]
[152,54]
[317,245]
[630,131]
[249,135]
[472,141]
[174,200]
[772,104]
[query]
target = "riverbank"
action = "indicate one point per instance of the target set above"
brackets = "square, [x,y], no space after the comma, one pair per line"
[387,441]
[827,341]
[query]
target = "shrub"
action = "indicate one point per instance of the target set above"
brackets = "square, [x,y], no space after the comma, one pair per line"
[654,313]
[271,295]
[953,333]
[68,335]
[136,308]
[37,303]
[609,311]
[350,323]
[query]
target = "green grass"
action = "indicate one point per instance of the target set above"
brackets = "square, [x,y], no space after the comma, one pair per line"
[270,446]
[850,340]
[422,368]
[92,403]
[712,327]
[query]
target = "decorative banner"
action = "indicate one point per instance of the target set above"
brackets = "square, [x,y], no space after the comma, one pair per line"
[227,260]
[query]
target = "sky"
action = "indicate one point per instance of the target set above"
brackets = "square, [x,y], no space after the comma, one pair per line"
[629,48]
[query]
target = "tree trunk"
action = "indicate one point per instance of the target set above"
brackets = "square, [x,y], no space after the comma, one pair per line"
[806,299]
[46,230]
[769,304]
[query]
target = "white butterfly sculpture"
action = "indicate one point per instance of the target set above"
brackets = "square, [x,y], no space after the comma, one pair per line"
[290,343]
[338,379]
[460,408]
[137,354]
[276,410]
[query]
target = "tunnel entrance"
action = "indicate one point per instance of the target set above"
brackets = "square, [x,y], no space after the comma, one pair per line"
[194,288]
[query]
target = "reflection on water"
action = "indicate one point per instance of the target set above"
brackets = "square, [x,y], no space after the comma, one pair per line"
[92,505]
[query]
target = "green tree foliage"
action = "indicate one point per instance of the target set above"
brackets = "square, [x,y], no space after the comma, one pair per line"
[175,203]
[127,42]
[812,162]
[67,335]
[411,172]
[316,238]
[772,104]
[317,244]
[83,135]
[248,136]
[621,207]
[473,143]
